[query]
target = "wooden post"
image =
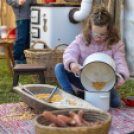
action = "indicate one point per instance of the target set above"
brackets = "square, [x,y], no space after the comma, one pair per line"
[97,3]
[117,13]
[3,13]
[0,13]
[10,17]
[111,8]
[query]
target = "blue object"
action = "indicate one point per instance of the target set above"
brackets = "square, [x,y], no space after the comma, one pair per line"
[19,9]
[66,78]
[17,61]
[22,39]
[20,61]
[19,14]
[23,61]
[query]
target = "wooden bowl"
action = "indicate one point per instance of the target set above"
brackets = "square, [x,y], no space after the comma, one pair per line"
[41,123]
[40,105]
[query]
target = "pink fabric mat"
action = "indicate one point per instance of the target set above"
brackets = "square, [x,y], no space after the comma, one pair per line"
[122,121]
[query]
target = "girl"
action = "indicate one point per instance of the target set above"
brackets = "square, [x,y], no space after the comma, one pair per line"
[98,35]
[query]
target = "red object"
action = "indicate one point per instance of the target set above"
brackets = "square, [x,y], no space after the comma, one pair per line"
[12,34]
[129,101]
[47,1]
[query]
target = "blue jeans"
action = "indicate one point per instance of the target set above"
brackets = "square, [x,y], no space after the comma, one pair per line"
[66,78]
[22,39]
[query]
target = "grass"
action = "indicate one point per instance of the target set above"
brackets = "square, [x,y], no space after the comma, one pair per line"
[9,96]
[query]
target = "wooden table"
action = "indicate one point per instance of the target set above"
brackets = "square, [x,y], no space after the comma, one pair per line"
[8,44]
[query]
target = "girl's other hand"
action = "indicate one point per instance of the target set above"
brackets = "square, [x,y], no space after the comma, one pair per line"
[75,67]
[118,83]
[21,2]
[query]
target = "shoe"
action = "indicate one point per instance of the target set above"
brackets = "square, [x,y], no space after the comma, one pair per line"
[80,94]
[23,61]
[17,61]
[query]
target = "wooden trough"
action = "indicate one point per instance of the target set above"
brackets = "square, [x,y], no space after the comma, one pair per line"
[40,105]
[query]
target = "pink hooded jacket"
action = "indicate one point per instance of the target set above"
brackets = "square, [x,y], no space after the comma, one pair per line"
[77,52]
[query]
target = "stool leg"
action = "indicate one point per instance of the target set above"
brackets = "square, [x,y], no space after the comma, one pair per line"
[41,76]
[11,55]
[15,79]
[8,60]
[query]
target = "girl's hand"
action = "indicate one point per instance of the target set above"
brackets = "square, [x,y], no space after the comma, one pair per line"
[75,67]
[118,84]
[21,2]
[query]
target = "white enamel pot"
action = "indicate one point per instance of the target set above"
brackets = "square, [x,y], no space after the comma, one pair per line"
[98,67]
[98,99]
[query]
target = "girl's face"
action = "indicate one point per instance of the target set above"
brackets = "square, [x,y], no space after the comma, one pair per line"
[99,34]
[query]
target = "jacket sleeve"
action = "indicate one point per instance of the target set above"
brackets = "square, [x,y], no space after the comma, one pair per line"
[71,54]
[120,61]
[13,3]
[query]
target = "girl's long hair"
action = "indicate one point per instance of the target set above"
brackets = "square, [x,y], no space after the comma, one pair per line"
[100,17]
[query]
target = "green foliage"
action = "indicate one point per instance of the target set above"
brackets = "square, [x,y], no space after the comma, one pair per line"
[127,89]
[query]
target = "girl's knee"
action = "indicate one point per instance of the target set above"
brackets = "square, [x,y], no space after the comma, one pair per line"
[115,102]
[114,98]
[59,66]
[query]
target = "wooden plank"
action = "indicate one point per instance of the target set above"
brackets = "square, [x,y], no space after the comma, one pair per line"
[4,22]
[102,3]
[111,8]
[70,2]
[117,13]
[10,17]
[105,3]
[40,1]
[0,12]
[97,3]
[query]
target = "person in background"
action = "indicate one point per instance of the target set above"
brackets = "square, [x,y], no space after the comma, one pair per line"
[98,35]
[21,10]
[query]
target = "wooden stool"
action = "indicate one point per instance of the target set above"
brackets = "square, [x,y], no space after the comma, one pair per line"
[26,69]
[8,54]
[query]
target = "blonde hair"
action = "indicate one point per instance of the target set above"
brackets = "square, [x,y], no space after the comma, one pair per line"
[100,17]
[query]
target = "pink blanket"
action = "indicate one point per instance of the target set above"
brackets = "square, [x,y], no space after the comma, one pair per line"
[12,119]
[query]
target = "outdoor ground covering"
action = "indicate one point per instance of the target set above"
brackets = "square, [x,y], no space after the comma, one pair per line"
[16,118]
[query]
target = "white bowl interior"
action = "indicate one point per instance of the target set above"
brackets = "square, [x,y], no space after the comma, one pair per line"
[98,72]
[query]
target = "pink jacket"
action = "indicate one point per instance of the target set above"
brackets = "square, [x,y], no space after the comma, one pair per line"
[77,51]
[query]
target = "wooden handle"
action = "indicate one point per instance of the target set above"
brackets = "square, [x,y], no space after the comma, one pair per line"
[41,42]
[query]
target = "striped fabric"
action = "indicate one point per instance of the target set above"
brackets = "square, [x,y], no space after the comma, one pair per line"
[10,126]
[122,122]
